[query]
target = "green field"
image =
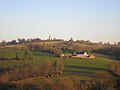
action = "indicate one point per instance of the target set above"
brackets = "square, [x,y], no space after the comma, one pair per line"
[39,58]
[49,43]
[84,68]
[87,67]
[10,53]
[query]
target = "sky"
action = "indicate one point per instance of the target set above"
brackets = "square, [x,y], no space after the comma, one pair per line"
[94,20]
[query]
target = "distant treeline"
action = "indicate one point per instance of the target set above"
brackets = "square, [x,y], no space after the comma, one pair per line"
[23,40]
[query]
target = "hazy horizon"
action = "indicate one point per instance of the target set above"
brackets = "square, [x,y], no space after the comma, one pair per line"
[94,20]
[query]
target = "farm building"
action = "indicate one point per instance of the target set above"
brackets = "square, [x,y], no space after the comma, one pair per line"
[80,55]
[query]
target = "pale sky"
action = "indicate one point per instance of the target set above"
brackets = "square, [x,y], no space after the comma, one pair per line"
[94,20]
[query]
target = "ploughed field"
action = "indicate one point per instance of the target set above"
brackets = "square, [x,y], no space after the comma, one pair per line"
[84,68]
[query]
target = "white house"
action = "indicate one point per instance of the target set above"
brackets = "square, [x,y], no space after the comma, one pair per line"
[81,54]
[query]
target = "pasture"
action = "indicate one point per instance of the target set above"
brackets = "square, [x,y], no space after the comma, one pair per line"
[39,58]
[10,53]
[84,68]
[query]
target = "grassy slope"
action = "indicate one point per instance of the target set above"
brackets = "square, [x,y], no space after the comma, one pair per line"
[85,68]
[11,53]
[39,58]
[49,43]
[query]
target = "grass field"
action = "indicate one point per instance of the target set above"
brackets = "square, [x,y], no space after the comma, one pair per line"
[49,43]
[39,58]
[11,53]
[84,68]
[87,67]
